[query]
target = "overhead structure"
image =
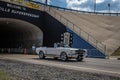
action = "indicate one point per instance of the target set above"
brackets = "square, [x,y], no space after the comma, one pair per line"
[100,31]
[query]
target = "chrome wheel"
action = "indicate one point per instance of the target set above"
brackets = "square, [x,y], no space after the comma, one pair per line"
[63,56]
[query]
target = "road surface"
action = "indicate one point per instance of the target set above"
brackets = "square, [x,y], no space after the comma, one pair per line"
[104,66]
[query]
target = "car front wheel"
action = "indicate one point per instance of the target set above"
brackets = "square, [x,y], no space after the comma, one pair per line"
[79,58]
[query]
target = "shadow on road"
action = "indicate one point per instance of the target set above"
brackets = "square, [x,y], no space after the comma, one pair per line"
[57,60]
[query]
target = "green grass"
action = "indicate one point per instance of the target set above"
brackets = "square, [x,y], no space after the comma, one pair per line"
[116,53]
[5,76]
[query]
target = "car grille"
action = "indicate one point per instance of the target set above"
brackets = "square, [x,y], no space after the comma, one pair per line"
[80,51]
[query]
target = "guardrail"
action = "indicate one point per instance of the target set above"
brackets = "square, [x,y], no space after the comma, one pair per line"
[85,12]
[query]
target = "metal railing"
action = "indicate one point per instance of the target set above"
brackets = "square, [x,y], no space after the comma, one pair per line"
[23,2]
[78,11]
[86,12]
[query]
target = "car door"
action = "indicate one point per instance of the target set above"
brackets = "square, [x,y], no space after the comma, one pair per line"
[52,52]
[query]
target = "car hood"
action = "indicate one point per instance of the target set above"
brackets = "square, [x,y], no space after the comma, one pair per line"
[68,48]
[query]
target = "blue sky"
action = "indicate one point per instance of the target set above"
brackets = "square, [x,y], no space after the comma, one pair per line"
[87,5]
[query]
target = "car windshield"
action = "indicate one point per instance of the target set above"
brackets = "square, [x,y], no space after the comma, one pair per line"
[66,46]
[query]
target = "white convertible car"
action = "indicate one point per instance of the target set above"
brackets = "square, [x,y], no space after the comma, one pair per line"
[64,53]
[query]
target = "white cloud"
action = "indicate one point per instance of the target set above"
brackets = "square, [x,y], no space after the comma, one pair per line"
[88,5]
[74,4]
[42,1]
[76,1]
[99,1]
[114,0]
[83,9]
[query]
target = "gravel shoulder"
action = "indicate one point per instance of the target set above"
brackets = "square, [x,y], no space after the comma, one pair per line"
[28,71]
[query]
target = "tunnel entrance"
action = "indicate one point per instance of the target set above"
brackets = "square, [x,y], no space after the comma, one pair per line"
[16,33]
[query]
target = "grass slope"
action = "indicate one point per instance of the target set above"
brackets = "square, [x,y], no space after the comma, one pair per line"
[116,53]
[5,76]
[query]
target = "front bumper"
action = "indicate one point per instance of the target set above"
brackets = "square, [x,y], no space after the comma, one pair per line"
[77,53]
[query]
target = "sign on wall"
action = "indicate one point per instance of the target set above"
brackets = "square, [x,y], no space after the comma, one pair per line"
[66,38]
[17,10]
[17,1]
[32,5]
[27,3]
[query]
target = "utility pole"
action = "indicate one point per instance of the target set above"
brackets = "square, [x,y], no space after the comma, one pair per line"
[94,6]
[109,7]
[46,2]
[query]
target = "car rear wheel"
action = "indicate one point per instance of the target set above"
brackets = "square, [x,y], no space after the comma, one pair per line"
[63,56]
[79,58]
[41,55]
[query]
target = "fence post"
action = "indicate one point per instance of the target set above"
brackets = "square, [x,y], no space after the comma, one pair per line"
[88,38]
[66,22]
[60,17]
[8,50]
[107,55]
[96,45]
[79,31]
[24,51]
[55,14]
[73,27]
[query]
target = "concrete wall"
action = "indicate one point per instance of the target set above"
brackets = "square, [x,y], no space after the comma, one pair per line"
[52,30]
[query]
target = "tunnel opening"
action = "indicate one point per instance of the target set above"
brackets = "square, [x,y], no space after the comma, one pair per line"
[16,33]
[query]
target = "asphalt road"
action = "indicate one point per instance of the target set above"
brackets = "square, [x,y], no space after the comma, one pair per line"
[104,66]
